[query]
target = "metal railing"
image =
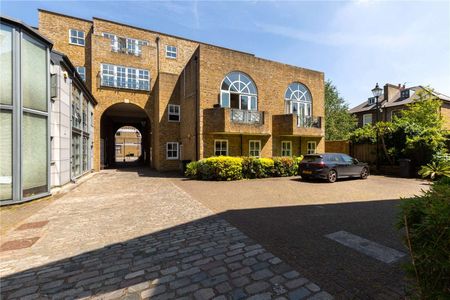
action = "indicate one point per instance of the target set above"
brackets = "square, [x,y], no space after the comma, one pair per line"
[246,116]
[309,121]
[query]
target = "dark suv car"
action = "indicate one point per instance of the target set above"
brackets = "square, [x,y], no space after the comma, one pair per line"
[331,166]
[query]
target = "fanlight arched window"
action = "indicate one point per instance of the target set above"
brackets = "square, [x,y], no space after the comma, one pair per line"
[238,91]
[298,100]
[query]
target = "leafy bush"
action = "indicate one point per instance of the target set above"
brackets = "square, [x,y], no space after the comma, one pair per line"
[235,168]
[286,166]
[435,169]
[253,167]
[426,219]
[216,168]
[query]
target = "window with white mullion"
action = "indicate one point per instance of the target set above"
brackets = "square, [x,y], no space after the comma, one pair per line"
[286,148]
[220,147]
[132,78]
[121,77]
[254,148]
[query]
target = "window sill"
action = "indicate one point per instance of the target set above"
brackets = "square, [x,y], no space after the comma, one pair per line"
[77,44]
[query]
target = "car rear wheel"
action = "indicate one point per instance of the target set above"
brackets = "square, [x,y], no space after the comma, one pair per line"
[305,178]
[332,176]
[364,173]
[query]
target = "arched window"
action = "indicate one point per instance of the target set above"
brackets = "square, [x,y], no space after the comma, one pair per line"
[298,100]
[238,91]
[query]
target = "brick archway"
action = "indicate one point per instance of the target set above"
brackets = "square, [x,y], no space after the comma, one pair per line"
[119,115]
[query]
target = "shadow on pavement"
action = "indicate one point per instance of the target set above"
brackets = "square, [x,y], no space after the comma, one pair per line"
[209,253]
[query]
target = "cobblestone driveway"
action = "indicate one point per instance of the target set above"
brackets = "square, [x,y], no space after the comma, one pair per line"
[132,235]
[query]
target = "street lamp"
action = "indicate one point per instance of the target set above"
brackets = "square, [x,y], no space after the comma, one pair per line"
[376,91]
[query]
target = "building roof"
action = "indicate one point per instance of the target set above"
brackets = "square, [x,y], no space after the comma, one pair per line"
[30,30]
[397,100]
[62,59]
[174,36]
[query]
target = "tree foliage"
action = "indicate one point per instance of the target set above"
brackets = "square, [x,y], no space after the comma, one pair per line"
[338,122]
[416,133]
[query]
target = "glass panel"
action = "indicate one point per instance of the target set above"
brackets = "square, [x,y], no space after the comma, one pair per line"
[76,159]
[5,155]
[34,75]
[34,160]
[244,102]
[253,103]
[225,99]
[6,64]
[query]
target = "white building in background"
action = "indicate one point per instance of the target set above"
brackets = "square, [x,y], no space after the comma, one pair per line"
[45,116]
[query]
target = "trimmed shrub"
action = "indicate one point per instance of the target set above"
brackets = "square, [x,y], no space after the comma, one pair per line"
[235,168]
[426,219]
[286,166]
[216,168]
[253,167]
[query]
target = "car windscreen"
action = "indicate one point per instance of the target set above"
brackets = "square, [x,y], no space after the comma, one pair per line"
[312,158]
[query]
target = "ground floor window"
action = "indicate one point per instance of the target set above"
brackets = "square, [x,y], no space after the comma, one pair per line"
[254,148]
[286,148]
[85,153]
[367,119]
[76,157]
[172,150]
[311,147]
[220,147]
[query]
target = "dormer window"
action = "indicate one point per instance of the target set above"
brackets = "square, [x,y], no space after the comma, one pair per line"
[371,100]
[404,94]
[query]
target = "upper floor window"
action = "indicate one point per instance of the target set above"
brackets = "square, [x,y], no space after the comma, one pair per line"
[174,112]
[367,119]
[82,72]
[76,37]
[298,100]
[125,77]
[125,45]
[371,100]
[171,51]
[238,91]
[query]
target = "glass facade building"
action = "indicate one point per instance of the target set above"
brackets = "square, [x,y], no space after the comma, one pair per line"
[24,113]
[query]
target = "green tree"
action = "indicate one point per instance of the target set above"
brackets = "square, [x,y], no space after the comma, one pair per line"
[338,122]
[422,125]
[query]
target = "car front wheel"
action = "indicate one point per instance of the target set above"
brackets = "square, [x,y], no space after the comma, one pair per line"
[364,173]
[332,176]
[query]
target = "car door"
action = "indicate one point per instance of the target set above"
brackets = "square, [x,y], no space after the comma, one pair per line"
[346,165]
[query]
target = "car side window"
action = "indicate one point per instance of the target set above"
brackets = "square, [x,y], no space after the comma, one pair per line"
[347,158]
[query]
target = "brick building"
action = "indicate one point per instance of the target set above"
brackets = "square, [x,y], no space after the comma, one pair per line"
[128,144]
[188,99]
[394,99]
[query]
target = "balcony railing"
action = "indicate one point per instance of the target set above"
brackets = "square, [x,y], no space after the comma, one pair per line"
[246,116]
[309,122]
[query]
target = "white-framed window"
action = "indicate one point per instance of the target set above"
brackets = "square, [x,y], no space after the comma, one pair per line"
[286,148]
[254,148]
[238,91]
[220,147]
[125,45]
[125,77]
[311,147]
[174,112]
[172,150]
[367,119]
[82,72]
[76,37]
[171,51]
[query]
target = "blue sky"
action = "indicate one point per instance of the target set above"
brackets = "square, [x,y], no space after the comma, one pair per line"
[355,43]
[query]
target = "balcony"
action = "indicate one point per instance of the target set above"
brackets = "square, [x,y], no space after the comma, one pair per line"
[294,125]
[223,120]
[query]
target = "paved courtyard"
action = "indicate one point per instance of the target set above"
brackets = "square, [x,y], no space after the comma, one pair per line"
[341,235]
[132,234]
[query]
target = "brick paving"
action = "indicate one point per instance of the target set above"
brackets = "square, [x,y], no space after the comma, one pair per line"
[102,241]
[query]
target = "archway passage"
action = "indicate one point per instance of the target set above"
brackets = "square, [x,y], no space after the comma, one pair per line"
[128,144]
[128,119]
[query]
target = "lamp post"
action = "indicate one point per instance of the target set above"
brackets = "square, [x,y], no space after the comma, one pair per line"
[376,91]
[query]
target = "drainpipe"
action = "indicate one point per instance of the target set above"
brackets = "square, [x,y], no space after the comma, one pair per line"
[157,54]
[242,146]
[197,110]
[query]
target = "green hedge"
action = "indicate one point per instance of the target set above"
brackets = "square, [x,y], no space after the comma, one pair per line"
[235,168]
[426,219]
